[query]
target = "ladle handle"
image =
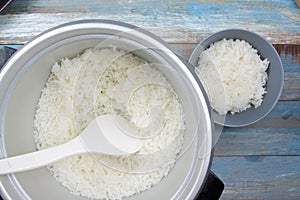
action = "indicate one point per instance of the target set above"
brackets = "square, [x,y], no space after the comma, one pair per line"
[40,158]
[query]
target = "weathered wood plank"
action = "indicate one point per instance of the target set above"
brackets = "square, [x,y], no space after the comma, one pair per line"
[259,177]
[286,114]
[175,21]
[276,134]
[253,142]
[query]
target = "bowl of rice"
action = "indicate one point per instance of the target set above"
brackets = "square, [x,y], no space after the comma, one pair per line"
[62,79]
[242,75]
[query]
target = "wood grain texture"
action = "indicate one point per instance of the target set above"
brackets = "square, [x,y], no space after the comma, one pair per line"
[175,21]
[277,134]
[286,114]
[258,142]
[259,177]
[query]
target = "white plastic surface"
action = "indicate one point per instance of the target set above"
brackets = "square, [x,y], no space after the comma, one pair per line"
[102,135]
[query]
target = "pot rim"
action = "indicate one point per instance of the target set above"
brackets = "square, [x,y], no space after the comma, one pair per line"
[94,23]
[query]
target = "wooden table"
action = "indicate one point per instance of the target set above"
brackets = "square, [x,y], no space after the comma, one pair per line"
[261,161]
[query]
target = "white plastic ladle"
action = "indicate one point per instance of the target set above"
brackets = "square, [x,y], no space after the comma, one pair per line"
[102,135]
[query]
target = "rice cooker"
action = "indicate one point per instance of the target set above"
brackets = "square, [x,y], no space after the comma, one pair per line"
[26,72]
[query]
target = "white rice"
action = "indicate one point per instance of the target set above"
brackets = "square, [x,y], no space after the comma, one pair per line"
[233,75]
[83,87]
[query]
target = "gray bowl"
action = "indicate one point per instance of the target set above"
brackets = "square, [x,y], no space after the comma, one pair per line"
[274,83]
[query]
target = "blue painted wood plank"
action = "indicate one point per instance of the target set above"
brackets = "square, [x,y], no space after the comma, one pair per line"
[277,134]
[258,141]
[185,21]
[259,177]
[286,114]
[230,13]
